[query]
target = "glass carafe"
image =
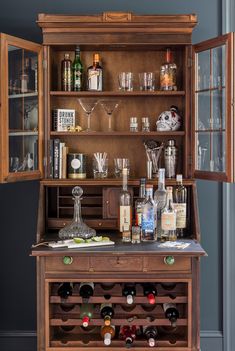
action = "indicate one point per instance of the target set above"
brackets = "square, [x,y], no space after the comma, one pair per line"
[77,228]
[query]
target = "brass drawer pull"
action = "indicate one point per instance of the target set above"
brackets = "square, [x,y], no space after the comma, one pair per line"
[67,260]
[169,260]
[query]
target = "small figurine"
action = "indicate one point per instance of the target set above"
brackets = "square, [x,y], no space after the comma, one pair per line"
[169,120]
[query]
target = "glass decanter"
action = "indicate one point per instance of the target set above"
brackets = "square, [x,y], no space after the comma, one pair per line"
[77,228]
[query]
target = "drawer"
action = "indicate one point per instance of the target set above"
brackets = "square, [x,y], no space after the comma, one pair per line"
[67,263]
[116,263]
[153,263]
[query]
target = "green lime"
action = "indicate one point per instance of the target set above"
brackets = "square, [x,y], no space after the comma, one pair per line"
[88,240]
[78,240]
[97,238]
[105,238]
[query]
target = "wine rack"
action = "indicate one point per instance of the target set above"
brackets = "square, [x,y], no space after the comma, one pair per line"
[64,323]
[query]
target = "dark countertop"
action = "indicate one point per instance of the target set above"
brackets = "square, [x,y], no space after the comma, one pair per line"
[151,248]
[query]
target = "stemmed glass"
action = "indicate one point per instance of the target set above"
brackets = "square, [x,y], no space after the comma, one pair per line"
[109,106]
[88,106]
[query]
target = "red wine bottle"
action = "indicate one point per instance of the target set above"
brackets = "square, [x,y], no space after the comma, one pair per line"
[65,290]
[128,334]
[171,313]
[129,291]
[106,312]
[86,290]
[150,333]
[150,292]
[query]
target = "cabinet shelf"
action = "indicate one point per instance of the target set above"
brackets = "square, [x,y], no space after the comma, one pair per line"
[22,133]
[117,93]
[119,133]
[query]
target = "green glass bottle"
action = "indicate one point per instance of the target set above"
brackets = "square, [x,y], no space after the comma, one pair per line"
[77,71]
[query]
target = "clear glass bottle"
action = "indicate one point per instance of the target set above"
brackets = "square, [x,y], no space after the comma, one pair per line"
[148,218]
[125,209]
[168,72]
[180,205]
[77,228]
[139,202]
[95,75]
[77,70]
[171,159]
[160,199]
[133,124]
[66,73]
[168,218]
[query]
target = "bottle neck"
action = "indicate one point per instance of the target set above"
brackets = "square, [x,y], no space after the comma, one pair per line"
[149,193]
[77,211]
[124,181]
[161,179]
[169,199]
[142,191]
[168,56]
[77,55]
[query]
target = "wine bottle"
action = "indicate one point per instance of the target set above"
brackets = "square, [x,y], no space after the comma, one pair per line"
[107,332]
[77,70]
[86,313]
[171,313]
[125,209]
[65,290]
[139,202]
[168,285]
[86,290]
[180,205]
[150,333]
[106,312]
[169,218]
[128,334]
[95,75]
[66,73]
[150,292]
[129,291]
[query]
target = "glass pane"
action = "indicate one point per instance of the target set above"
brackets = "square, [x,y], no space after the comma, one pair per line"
[203,151]
[218,106]
[218,142]
[203,111]
[218,66]
[23,109]
[203,70]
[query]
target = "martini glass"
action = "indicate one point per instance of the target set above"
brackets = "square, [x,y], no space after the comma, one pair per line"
[88,106]
[109,106]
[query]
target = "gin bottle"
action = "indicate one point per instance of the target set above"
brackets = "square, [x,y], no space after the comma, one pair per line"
[148,219]
[180,204]
[125,209]
[139,202]
[168,218]
[160,199]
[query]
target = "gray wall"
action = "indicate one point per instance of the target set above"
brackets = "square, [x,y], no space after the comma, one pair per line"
[18,207]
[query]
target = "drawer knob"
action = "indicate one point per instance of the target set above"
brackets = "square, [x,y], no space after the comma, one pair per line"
[169,260]
[67,259]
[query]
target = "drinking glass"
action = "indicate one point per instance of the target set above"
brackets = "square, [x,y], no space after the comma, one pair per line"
[88,106]
[109,105]
[14,164]
[119,164]
[125,80]
[147,81]
[100,169]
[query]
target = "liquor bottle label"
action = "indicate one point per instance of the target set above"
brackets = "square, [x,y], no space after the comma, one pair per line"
[125,218]
[77,80]
[95,79]
[147,221]
[180,215]
[168,221]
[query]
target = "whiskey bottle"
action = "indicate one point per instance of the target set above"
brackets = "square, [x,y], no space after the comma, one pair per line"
[139,202]
[148,219]
[180,205]
[150,292]
[168,218]
[95,75]
[150,333]
[86,313]
[129,291]
[171,313]
[66,73]
[125,209]
[106,312]
[86,290]
[168,73]
[160,199]
[77,71]
[107,332]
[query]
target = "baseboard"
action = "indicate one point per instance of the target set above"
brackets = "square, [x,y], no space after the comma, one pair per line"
[17,340]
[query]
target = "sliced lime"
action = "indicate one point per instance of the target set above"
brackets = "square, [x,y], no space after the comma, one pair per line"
[105,238]
[78,240]
[97,238]
[88,240]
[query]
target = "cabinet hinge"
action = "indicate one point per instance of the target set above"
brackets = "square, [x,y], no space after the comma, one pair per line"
[190,62]
[44,64]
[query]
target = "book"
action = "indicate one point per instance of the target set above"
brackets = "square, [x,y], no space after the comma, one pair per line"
[60,159]
[56,158]
[62,119]
[65,151]
[51,159]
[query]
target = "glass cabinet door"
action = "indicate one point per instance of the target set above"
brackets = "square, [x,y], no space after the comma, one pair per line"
[213,109]
[21,99]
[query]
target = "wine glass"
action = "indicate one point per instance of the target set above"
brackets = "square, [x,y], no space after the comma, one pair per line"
[88,106]
[109,106]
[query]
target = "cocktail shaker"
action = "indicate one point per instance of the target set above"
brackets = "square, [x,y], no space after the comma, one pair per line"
[171,159]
